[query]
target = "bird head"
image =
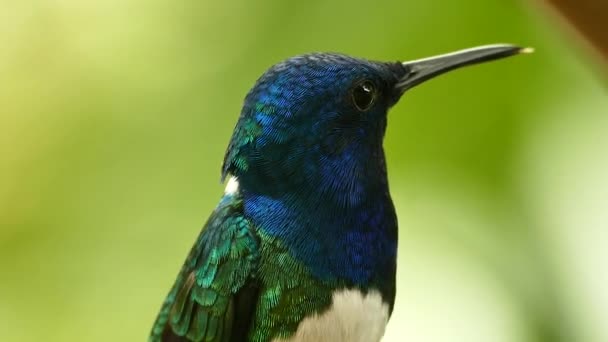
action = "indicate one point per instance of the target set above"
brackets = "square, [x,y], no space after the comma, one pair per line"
[317,121]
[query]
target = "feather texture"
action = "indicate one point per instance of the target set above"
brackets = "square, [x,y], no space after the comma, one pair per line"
[201,305]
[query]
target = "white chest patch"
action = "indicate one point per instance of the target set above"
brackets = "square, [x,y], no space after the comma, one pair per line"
[352,317]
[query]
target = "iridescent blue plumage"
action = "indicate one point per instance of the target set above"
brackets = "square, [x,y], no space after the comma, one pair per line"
[312,217]
[315,175]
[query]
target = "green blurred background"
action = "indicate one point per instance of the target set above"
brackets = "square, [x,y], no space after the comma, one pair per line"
[115,116]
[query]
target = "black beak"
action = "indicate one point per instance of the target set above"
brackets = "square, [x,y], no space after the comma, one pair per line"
[424,69]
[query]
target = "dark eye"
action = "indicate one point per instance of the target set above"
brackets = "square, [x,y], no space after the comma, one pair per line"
[364,95]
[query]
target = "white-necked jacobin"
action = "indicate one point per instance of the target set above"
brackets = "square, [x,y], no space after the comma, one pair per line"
[303,244]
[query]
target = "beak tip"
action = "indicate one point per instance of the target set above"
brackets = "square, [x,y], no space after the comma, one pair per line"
[526,50]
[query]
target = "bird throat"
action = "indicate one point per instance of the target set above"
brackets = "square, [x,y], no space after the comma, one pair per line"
[339,227]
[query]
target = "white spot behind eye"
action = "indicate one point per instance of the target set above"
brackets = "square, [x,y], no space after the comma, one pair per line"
[232,187]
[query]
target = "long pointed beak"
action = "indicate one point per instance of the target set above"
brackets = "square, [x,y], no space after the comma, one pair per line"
[424,69]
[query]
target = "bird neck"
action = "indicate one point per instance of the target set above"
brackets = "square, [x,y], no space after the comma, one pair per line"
[342,227]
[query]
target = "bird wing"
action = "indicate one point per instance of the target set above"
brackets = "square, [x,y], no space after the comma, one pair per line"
[214,298]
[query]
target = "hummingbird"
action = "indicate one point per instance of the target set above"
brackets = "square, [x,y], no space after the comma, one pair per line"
[303,244]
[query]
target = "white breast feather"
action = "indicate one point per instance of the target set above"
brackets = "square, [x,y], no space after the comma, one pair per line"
[352,317]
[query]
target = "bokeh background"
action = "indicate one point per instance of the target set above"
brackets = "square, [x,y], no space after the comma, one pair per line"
[115,116]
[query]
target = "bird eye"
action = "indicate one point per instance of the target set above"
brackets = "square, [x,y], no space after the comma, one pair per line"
[364,95]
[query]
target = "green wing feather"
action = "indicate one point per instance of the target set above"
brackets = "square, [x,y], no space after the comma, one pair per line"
[210,290]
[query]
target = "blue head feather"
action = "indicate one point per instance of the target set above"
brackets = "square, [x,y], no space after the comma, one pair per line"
[310,162]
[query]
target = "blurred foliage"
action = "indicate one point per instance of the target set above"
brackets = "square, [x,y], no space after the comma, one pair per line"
[115,116]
